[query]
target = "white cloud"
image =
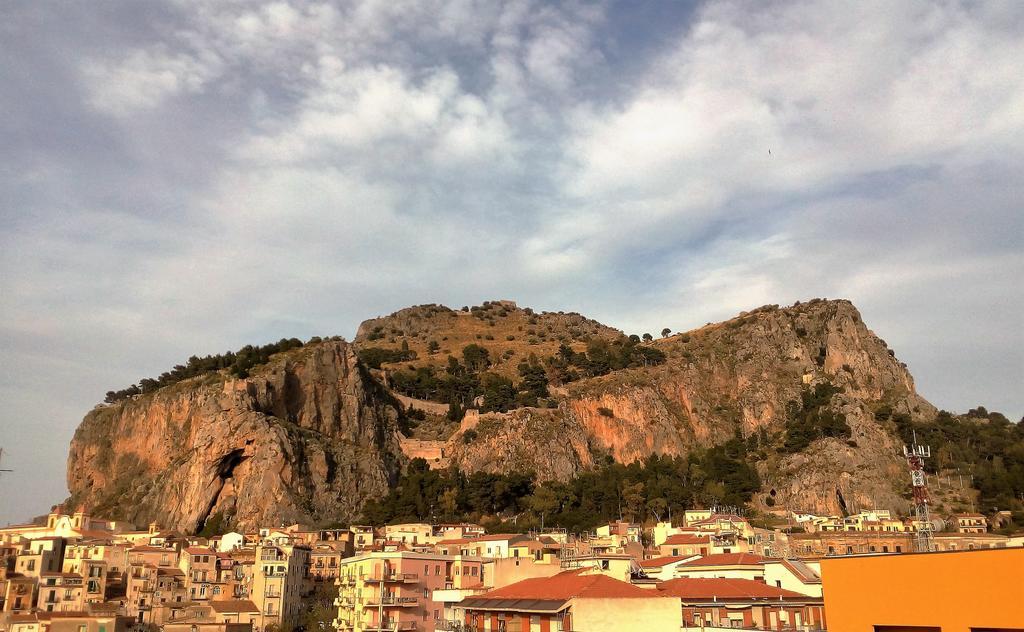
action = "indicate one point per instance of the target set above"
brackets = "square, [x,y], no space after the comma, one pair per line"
[833,94]
[144,79]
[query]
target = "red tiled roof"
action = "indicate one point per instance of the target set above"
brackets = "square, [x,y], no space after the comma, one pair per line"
[566,586]
[721,588]
[686,538]
[199,550]
[727,559]
[234,605]
[658,562]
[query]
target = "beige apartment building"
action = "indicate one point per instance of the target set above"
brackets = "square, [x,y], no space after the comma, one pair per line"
[391,591]
[278,575]
[41,555]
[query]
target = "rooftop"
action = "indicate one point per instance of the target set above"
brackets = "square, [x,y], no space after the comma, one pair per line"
[564,586]
[234,605]
[658,562]
[727,559]
[721,589]
[686,538]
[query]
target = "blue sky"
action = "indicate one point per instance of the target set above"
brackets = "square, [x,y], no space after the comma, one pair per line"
[191,176]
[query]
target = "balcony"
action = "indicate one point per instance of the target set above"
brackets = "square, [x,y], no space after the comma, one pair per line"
[390,626]
[392,576]
[390,601]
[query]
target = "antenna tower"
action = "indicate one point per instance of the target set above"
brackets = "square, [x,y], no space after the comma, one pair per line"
[915,455]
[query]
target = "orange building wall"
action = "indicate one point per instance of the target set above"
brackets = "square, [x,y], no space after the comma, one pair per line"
[954,591]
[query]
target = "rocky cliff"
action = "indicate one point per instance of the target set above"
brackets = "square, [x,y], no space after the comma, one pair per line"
[312,434]
[731,379]
[307,437]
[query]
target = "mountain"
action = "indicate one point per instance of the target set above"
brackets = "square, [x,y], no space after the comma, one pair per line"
[314,432]
[307,437]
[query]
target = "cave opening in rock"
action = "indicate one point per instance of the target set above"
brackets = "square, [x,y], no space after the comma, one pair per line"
[227,464]
[842,501]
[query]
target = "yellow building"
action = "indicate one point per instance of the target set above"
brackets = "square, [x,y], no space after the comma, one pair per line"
[963,591]
[277,580]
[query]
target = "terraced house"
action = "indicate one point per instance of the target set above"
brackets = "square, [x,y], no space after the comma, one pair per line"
[394,590]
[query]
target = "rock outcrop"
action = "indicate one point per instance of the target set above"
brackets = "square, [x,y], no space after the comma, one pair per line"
[307,437]
[732,379]
[311,435]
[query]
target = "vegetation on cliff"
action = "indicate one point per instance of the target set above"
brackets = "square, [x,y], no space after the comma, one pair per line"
[238,363]
[464,383]
[983,445]
[638,491]
[812,418]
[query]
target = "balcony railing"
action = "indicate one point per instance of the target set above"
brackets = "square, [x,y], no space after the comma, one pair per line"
[390,601]
[390,626]
[391,576]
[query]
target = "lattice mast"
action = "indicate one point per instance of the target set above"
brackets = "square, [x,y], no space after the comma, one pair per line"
[915,455]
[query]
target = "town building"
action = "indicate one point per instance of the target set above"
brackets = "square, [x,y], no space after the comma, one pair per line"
[396,590]
[743,603]
[724,565]
[801,576]
[664,568]
[686,544]
[571,600]
[971,523]
[278,577]
[962,591]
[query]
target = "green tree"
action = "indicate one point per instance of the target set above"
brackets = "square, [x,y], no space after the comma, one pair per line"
[476,357]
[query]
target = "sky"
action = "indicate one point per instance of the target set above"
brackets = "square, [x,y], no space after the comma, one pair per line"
[190,176]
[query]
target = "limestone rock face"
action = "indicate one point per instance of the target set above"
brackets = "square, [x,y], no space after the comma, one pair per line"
[728,379]
[312,435]
[306,438]
[544,441]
